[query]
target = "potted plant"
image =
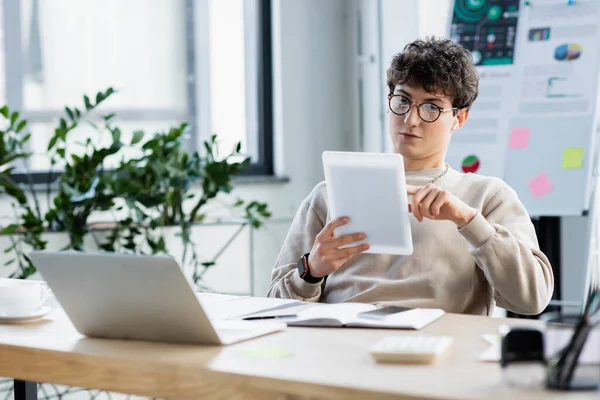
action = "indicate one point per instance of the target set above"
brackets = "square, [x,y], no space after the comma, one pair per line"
[163,185]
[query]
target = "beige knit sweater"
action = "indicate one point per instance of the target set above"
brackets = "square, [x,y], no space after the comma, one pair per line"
[495,259]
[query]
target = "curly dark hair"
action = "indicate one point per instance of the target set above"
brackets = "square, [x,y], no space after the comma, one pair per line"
[440,66]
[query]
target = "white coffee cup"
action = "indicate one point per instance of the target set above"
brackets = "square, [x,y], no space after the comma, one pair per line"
[20,297]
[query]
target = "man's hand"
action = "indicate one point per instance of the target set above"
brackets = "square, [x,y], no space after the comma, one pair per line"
[431,202]
[326,256]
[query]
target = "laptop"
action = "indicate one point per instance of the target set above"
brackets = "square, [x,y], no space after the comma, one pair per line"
[123,296]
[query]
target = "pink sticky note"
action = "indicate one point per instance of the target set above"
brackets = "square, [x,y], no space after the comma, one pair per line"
[540,185]
[519,138]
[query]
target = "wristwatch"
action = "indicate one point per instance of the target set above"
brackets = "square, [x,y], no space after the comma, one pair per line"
[304,270]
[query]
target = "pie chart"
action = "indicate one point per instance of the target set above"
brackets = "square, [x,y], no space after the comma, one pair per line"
[470,164]
[567,52]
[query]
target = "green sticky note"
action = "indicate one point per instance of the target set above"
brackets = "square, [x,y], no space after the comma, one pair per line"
[572,157]
[265,353]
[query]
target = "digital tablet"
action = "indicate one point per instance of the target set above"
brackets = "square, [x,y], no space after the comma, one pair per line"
[370,188]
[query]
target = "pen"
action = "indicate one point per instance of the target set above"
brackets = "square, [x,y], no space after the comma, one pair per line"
[269,317]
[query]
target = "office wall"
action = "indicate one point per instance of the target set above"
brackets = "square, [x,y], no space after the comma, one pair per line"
[386,26]
[315,110]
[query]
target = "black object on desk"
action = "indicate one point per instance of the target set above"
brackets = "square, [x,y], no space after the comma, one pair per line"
[522,357]
[522,345]
[561,368]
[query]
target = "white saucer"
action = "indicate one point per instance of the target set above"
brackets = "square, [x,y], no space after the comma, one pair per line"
[19,319]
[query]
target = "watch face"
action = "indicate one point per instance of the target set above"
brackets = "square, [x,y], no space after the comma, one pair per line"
[301,268]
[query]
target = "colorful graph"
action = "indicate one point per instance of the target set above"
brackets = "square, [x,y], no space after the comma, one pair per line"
[567,52]
[487,28]
[539,34]
[470,164]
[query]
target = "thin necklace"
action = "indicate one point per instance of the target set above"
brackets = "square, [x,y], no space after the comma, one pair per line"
[442,174]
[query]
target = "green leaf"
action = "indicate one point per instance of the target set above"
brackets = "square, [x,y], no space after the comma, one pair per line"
[6,170]
[88,105]
[63,125]
[200,217]
[26,138]
[99,97]
[6,264]
[21,126]
[14,117]
[116,135]
[11,247]
[52,142]
[238,147]
[137,137]
[60,133]
[7,230]
[69,113]
[208,148]
[109,117]
[4,111]
[14,156]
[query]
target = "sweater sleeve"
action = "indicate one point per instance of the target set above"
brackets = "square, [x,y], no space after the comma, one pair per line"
[285,280]
[504,245]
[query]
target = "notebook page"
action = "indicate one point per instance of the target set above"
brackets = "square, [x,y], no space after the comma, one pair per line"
[342,312]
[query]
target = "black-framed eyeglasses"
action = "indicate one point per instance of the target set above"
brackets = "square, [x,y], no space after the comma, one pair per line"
[428,112]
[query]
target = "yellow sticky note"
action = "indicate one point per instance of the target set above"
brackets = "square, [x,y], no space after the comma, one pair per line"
[572,157]
[265,353]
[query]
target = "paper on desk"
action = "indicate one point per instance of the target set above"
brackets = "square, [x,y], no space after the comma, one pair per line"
[208,298]
[238,308]
[283,310]
[492,353]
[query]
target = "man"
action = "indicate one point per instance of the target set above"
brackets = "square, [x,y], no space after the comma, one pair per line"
[474,243]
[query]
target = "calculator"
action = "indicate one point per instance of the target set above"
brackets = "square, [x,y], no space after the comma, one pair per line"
[419,349]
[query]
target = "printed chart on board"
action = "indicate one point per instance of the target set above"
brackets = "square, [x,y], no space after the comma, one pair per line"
[488,29]
[535,121]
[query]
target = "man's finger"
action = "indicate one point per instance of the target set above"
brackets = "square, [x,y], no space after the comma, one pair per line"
[439,202]
[426,204]
[349,252]
[415,209]
[346,239]
[411,189]
[327,231]
[417,199]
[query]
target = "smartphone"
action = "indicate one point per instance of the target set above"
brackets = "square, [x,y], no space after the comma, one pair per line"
[382,312]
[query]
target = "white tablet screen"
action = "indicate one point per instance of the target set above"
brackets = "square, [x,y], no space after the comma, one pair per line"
[370,188]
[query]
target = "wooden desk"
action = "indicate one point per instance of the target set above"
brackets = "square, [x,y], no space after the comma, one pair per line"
[325,364]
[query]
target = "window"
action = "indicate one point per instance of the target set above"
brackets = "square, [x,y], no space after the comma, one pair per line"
[206,62]
[238,56]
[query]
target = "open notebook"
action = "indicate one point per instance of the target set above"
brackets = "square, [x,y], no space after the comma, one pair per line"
[346,315]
